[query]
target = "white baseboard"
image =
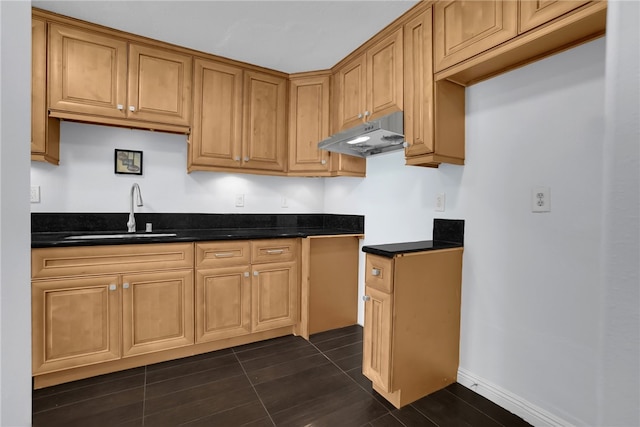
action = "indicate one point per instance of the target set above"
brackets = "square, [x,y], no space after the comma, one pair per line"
[527,411]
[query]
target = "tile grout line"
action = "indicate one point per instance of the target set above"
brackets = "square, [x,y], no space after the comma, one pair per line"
[144,394]
[253,387]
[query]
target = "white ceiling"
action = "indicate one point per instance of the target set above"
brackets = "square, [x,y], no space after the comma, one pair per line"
[290,36]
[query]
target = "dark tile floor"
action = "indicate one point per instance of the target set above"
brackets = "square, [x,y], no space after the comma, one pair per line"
[286,381]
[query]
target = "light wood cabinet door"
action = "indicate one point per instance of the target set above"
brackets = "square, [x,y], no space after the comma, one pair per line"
[274,293]
[384,76]
[466,28]
[87,72]
[418,85]
[45,131]
[157,311]
[350,94]
[308,123]
[223,303]
[159,85]
[75,322]
[537,12]
[216,137]
[265,118]
[376,353]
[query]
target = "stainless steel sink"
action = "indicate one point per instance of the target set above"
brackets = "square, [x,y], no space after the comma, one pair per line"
[118,236]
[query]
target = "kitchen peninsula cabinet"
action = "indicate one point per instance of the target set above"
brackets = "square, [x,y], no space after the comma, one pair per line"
[101,78]
[104,303]
[45,131]
[369,85]
[245,287]
[412,323]
[433,111]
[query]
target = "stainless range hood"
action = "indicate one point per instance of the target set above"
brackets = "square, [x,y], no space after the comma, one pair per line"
[375,137]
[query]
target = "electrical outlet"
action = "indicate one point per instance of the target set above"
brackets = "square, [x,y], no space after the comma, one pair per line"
[239,200]
[541,199]
[35,194]
[440,197]
[285,202]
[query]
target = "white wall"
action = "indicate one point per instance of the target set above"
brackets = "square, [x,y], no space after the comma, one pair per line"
[530,281]
[15,291]
[85,180]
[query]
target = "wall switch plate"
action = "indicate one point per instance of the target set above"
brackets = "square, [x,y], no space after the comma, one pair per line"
[239,200]
[440,198]
[35,194]
[541,199]
[285,202]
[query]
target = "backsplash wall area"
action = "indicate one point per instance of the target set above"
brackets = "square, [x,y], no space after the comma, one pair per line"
[85,180]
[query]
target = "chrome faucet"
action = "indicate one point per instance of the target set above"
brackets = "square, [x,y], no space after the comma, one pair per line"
[131,224]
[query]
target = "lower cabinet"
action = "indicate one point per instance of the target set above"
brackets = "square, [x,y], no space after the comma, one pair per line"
[412,323]
[80,319]
[245,287]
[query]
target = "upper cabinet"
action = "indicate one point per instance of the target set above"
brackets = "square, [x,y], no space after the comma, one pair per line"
[104,79]
[433,112]
[369,85]
[465,28]
[45,132]
[535,12]
[239,121]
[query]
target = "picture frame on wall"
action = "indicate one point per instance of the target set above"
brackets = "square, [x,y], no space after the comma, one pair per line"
[128,162]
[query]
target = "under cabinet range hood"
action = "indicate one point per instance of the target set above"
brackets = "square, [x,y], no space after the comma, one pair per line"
[375,137]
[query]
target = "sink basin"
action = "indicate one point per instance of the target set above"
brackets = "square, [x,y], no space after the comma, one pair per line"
[118,236]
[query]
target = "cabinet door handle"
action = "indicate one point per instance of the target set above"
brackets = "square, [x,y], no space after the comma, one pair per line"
[246,274]
[367,114]
[236,158]
[246,159]
[120,107]
[275,251]
[255,273]
[132,108]
[324,162]
[125,286]
[366,298]
[223,254]
[375,271]
[113,287]
[359,115]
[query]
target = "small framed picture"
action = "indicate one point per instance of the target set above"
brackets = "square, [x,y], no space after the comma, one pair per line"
[128,162]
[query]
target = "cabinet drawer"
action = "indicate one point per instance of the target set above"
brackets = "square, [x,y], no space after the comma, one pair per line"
[75,261]
[273,250]
[223,254]
[379,273]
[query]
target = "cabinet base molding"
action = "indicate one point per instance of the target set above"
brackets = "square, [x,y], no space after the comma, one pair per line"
[127,123]
[400,399]
[432,160]
[55,378]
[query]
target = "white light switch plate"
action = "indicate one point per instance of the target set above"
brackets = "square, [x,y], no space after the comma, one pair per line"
[239,200]
[440,202]
[35,194]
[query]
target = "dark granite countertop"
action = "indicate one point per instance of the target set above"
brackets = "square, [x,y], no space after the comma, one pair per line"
[393,249]
[54,230]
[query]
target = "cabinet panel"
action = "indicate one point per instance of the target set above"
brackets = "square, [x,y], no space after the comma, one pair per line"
[216,138]
[223,303]
[537,12]
[308,123]
[418,85]
[350,94]
[466,28]
[222,254]
[76,322]
[376,355]
[157,311]
[274,295]
[264,129]
[45,131]
[385,77]
[87,72]
[159,85]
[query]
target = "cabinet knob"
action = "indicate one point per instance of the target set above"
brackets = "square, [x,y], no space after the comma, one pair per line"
[367,114]
[113,287]
[120,107]
[236,158]
[375,272]
[366,298]
[255,273]
[359,115]
[132,108]
[323,162]
[125,286]
[246,159]
[246,274]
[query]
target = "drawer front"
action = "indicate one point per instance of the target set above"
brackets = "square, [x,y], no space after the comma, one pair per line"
[223,254]
[379,273]
[274,250]
[92,260]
